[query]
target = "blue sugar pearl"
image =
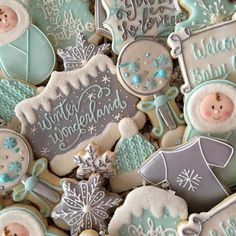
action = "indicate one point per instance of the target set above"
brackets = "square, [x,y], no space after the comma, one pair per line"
[162,73]
[4,178]
[136,79]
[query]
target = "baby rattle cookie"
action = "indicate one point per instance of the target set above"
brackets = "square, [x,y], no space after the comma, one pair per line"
[62,20]
[19,44]
[144,68]
[203,13]
[148,211]
[24,220]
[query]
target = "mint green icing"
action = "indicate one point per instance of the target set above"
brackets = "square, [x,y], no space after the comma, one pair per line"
[30,58]
[132,152]
[12,92]
[148,224]
[60,20]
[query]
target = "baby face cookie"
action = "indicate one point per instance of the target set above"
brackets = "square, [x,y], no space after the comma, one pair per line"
[206,54]
[203,13]
[127,20]
[220,220]
[142,214]
[15,159]
[84,107]
[85,205]
[188,171]
[19,41]
[62,20]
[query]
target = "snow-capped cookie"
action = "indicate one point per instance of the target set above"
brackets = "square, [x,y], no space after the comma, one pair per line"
[85,205]
[203,13]
[144,68]
[19,44]
[131,151]
[206,54]
[79,55]
[84,107]
[210,111]
[129,20]
[220,220]
[188,171]
[24,220]
[62,20]
[91,161]
[148,211]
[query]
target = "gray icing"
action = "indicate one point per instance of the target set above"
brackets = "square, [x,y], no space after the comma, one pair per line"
[187,169]
[81,115]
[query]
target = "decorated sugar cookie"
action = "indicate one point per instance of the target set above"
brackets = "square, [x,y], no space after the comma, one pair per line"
[148,211]
[144,68]
[62,20]
[24,220]
[203,13]
[85,205]
[79,55]
[210,111]
[131,151]
[220,220]
[84,107]
[127,20]
[92,161]
[206,54]
[188,171]
[20,41]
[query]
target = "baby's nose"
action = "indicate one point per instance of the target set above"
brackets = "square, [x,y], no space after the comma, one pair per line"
[216,111]
[4,20]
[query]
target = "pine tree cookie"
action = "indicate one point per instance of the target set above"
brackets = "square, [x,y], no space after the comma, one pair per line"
[131,151]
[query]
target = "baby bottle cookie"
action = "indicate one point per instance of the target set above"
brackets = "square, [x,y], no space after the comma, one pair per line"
[131,151]
[20,42]
[144,68]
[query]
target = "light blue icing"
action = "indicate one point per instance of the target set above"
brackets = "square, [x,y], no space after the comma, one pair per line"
[12,92]
[136,79]
[10,143]
[30,58]
[5,178]
[15,167]
[148,224]
[60,20]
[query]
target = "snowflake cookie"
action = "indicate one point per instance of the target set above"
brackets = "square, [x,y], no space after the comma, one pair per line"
[92,161]
[84,205]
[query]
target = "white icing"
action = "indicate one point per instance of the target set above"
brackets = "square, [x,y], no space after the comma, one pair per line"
[22,24]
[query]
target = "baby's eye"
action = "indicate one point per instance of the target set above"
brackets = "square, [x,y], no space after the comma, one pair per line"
[6,16]
[221,107]
[213,107]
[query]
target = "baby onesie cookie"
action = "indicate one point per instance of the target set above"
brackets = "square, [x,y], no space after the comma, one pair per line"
[187,170]
[210,111]
[84,107]
[220,220]
[206,54]
[85,205]
[148,211]
[19,45]
[144,68]
[62,20]
[127,20]
[93,161]
[24,220]
[78,56]
[131,151]
[203,13]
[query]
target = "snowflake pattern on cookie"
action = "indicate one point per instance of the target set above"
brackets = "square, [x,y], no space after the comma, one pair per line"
[78,56]
[84,205]
[92,161]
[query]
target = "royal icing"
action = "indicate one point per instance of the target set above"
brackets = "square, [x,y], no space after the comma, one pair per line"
[187,170]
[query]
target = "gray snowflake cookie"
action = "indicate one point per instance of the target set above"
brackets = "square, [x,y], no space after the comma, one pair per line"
[78,56]
[92,161]
[84,205]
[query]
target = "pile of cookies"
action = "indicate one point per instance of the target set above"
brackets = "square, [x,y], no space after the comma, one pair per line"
[103,131]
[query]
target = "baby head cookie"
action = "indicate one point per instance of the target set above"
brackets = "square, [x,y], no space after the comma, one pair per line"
[203,13]
[148,211]
[188,171]
[132,19]
[84,107]
[19,41]
[85,205]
